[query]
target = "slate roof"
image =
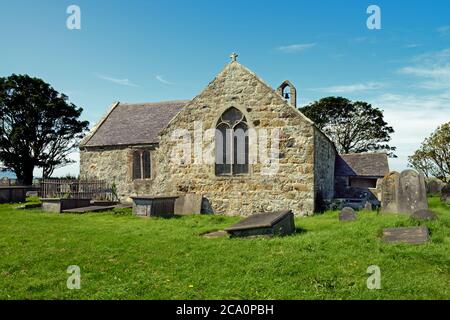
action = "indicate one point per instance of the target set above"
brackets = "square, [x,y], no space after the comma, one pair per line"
[362,164]
[133,124]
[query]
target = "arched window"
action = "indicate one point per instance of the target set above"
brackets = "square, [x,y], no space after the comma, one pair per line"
[141,164]
[232,147]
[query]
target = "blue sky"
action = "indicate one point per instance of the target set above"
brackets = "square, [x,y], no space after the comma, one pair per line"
[139,51]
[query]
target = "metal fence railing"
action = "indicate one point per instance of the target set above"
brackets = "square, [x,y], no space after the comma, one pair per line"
[79,189]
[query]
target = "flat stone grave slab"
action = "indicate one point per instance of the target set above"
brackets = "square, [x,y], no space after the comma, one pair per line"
[347,214]
[279,223]
[215,234]
[411,235]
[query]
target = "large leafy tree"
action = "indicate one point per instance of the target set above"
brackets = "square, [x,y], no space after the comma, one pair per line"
[433,156]
[38,126]
[354,127]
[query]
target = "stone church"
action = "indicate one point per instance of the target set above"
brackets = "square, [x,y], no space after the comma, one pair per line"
[133,147]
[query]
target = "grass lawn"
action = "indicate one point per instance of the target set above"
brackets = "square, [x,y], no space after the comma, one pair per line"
[124,257]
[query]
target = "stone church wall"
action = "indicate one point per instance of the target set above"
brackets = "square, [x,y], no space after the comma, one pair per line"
[292,187]
[114,165]
[325,155]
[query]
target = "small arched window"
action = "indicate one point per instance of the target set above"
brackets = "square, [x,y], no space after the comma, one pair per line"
[232,145]
[141,164]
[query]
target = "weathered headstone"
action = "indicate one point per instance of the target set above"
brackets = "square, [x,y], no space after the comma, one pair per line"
[412,235]
[434,186]
[368,206]
[412,194]
[403,193]
[387,191]
[445,194]
[188,204]
[347,214]
[264,224]
[424,214]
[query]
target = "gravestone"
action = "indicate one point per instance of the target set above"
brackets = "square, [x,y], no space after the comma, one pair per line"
[411,235]
[368,206]
[434,186]
[347,214]
[403,192]
[264,224]
[388,187]
[445,194]
[424,214]
[412,194]
[188,204]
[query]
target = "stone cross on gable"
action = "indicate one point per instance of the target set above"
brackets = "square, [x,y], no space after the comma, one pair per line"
[234,57]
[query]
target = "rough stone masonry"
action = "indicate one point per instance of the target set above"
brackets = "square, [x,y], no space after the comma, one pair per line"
[306,156]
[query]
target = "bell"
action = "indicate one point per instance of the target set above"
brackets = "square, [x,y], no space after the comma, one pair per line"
[286,95]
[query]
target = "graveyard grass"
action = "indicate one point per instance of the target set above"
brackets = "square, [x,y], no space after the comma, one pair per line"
[124,257]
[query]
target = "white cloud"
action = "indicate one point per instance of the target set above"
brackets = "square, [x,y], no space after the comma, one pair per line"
[294,48]
[413,45]
[122,82]
[413,117]
[433,68]
[444,30]
[72,169]
[162,80]
[352,88]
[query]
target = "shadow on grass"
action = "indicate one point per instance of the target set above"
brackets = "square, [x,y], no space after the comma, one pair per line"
[299,231]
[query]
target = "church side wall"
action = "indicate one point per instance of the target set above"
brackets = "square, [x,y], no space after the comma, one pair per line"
[324,160]
[114,165]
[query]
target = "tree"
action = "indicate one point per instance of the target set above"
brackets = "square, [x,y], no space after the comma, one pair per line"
[433,156]
[38,127]
[354,127]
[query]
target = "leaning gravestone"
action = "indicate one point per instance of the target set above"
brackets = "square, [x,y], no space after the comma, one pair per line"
[403,193]
[424,214]
[411,235]
[347,214]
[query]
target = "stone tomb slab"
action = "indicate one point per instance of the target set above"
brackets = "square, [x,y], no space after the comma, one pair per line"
[271,224]
[149,206]
[411,235]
